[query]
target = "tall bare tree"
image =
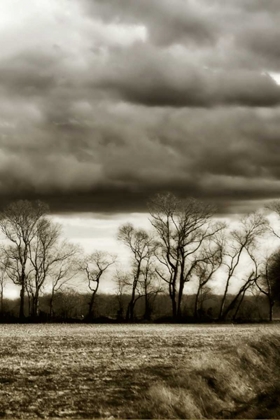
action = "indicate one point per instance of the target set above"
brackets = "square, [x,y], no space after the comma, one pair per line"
[122,282]
[242,242]
[48,255]
[18,222]
[269,281]
[182,227]
[209,262]
[4,266]
[142,247]
[94,266]
[63,269]
[150,284]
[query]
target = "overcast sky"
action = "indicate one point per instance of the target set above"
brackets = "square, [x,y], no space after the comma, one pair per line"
[105,102]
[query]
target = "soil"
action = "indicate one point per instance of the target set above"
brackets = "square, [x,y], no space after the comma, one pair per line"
[95,371]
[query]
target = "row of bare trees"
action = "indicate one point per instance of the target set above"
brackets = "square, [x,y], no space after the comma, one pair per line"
[35,257]
[186,246]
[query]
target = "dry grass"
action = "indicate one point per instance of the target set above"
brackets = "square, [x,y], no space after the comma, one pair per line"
[136,371]
[239,380]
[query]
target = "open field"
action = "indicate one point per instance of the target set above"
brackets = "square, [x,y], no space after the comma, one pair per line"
[138,371]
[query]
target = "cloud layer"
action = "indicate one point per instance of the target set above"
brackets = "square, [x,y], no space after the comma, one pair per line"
[104,103]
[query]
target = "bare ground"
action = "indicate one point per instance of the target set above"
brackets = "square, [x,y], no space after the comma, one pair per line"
[93,371]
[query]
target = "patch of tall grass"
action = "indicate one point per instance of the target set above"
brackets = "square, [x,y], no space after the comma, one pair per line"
[236,381]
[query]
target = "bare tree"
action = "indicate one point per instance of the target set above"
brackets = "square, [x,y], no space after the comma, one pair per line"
[94,266]
[43,255]
[63,269]
[142,248]
[18,222]
[239,297]
[210,260]
[4,265]
[269,281]
[51,259]
[182,227]
[150,284]
[122,281]
[242,240]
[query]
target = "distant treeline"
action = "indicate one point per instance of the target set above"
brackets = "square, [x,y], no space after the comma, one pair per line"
[71,306]
[185,246]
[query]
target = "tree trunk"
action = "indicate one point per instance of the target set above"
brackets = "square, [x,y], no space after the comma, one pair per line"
[235,299]
[29,303]
[221,314]
[51,304]
[179,302]
[2,299]
[146,312]
[172,295]
[196,304]
[174,306]
[90,306]
[238,306]
[35,305]
[271,305]
[183,279]
[21,306]
[130,308]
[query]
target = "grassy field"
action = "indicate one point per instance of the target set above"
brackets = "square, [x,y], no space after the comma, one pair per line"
[139,371]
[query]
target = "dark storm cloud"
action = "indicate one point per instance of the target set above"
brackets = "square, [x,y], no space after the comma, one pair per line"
[233,29]
[167,22]
[105,103]
[160,79]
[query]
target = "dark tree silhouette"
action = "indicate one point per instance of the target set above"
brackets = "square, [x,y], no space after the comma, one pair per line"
[182,227]
[269,281]
[18,222]
[94,266]
[142,247]
[242,241]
